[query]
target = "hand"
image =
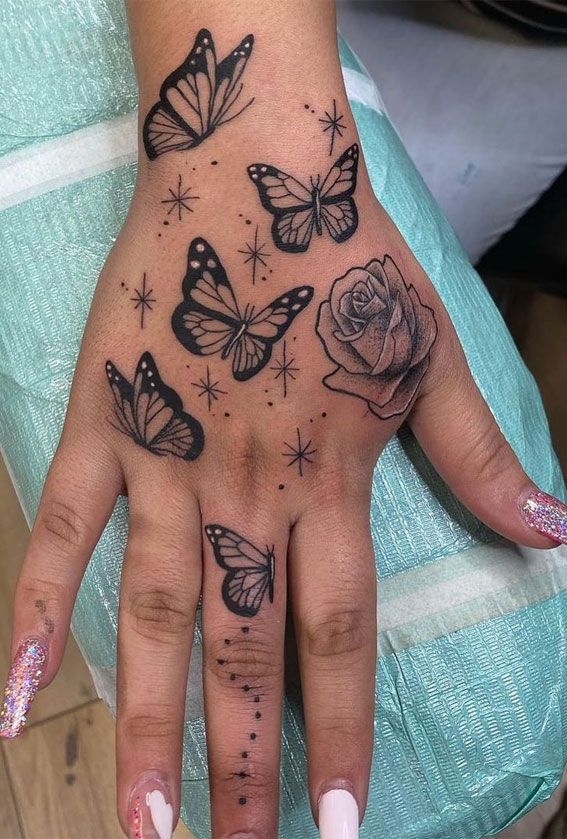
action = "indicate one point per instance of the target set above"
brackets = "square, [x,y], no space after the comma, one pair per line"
[246,445]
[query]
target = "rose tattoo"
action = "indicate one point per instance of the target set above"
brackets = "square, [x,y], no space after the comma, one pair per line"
[377,331]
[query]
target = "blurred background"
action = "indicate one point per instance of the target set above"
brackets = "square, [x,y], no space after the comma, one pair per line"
[478,94]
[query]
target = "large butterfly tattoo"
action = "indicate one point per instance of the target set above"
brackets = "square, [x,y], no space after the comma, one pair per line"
[209,320]
[297,208]
[151,413]
[197,98]
[250,571]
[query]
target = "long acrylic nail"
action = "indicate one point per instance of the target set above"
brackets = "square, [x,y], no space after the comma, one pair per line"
[150,811]
[546,514]
[21,687]
[338,815]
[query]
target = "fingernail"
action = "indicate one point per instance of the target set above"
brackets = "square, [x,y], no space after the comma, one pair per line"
[21,687]
[150,812]
[546,514]
[338,815]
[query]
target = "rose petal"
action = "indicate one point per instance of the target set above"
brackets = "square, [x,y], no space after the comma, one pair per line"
[340,297]
[376,389]
[347,317]
[404,348]
[402,397]
[425,330]
[398,286]
[389,342]
[338,351]
[378,281]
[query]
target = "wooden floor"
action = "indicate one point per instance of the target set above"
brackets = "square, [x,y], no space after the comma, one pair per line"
[57,780]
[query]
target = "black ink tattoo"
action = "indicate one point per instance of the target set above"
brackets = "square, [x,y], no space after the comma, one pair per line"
[179,199]
[211,389]
[250,571]
[285,369]
[197,98]
[299,453]
[151,413]
[209,320]
[254,254]
[379,334]
[333,124]
[297,208]
[143,300]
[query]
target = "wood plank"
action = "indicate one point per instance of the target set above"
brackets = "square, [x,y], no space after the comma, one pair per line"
[62,773]
[73,685]
[9,825]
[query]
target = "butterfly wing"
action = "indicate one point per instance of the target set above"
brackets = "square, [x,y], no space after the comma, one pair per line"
[228,90]
[208,318]
[152,413]
[340,183]
[249,571]
[181,118]
[290,202]
[253,349]
[340,219]
[122,393]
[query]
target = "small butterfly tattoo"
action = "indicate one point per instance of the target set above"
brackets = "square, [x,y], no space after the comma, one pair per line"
[151,413]
[250,571]
[298,209]
[209,321]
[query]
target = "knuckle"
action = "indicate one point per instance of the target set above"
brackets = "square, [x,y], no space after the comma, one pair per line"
[62,525]
[160,614]
[244,663]
[338,632]
[491,458]
[149,726]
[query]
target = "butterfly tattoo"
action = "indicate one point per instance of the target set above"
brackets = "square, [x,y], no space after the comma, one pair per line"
[250,571]
[151,413]
[297,208]
[209,320]
[197,98]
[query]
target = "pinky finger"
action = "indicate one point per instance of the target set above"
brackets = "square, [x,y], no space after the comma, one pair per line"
[76,503]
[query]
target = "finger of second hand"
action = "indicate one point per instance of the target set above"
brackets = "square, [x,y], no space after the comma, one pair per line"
[243,637]
[159,594]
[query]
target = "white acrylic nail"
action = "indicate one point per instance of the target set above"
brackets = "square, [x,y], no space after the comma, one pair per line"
[338,815]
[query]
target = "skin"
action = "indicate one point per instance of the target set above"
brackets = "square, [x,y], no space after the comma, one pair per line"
[319,522]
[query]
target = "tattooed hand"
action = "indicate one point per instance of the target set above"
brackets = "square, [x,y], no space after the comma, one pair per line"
[258,334]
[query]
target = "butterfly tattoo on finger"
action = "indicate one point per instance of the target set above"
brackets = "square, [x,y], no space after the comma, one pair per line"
[209,320]
[299,209]
[197,98]
[250,571]
[151,413]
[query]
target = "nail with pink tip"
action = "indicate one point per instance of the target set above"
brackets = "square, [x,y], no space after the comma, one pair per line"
[546,514]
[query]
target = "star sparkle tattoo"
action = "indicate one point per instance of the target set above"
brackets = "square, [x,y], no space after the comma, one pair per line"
[299,209]
[151,413]
[197,98]
[255,254]
[209,388]
[299,453]
[143,300]
[179,199]
[333,124]
[250,571]
[284,368]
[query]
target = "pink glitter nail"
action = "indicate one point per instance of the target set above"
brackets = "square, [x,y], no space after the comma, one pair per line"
[23,681]
[547,514]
